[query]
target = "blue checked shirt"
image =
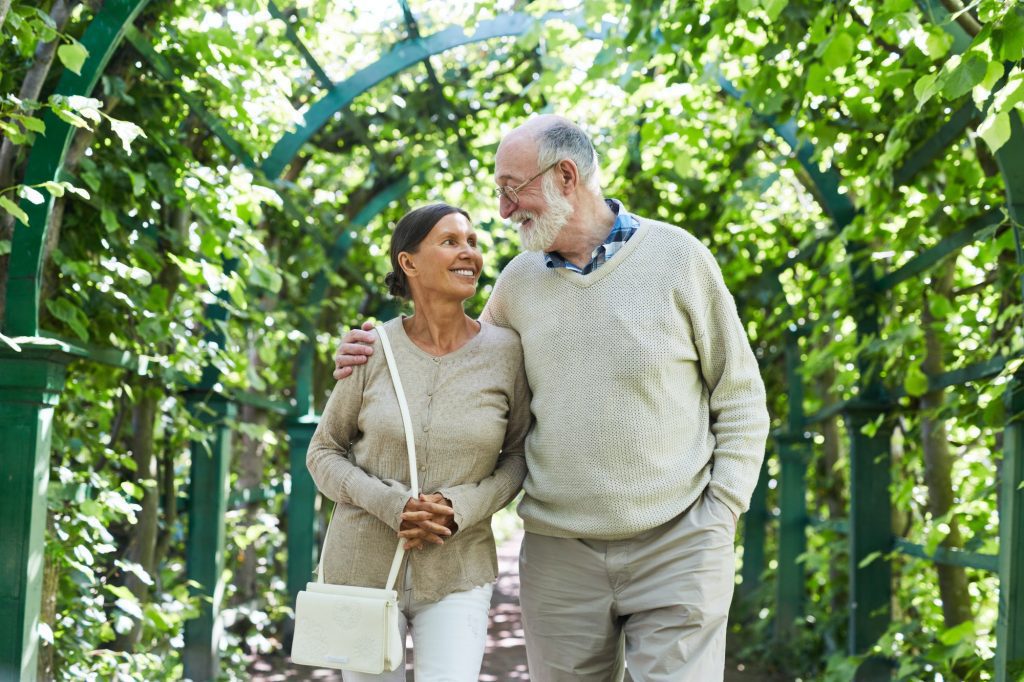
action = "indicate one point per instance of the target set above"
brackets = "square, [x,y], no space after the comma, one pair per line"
[624,227]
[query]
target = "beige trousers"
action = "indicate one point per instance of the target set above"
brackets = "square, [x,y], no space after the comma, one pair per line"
[657,602]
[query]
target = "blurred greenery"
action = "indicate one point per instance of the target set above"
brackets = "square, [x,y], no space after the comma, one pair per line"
[158,220]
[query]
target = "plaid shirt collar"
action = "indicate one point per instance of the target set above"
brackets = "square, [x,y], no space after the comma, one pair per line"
[624,227]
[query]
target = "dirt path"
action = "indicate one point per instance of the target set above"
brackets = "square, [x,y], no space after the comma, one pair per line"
[505,657]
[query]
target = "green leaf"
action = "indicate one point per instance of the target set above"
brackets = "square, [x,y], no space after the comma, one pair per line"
[915,383]
[12,208]
[70,117]
[1012,48]
[868,559]
[940,306]
[965,631]
[995,130]
[965,75]
[995,413]
[88,107]
[127,132]
[73,56]
[32,123]
[994,72]
[155,616]
[47,20]
[839,51]
[54,188]
[63,310]
[773,8]
[33,195]
[934,42]
[817,79]
[109,219]
[77,191]
[926,87]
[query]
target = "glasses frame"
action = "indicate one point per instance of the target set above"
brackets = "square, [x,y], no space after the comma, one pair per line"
[512,193]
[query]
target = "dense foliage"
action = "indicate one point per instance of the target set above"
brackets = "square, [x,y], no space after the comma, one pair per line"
[157,219]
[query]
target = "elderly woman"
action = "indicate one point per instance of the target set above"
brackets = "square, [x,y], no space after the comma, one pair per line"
[469,401]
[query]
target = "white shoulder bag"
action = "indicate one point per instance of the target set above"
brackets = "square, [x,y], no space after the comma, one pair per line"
[348,627]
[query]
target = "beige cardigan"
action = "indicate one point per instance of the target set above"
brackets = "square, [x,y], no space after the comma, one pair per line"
[470,412]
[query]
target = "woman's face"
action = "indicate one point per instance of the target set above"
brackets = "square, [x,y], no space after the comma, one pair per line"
[448,261]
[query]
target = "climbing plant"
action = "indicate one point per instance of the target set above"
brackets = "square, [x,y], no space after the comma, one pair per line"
[165,212]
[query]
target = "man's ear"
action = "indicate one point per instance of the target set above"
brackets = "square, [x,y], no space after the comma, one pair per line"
[568,176]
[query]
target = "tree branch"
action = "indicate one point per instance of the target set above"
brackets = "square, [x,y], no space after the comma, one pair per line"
[963,17]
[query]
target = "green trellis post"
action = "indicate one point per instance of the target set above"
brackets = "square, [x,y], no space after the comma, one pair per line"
[204,549]
[754,532]
[1010,626]
[871,537]
[794,454]
[30,386]
[301,507]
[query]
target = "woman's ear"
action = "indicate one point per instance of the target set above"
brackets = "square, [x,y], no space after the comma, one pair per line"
[408,265]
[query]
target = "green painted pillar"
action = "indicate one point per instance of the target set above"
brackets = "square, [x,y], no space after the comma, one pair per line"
[204,546]
[754,531]
[30,385]
[1010,626]
[794,453]
[871,539]
[301,508]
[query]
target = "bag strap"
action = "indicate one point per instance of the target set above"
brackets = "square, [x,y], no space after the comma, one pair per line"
[410,443]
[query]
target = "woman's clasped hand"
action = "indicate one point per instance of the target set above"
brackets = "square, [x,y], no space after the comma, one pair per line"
[428,519]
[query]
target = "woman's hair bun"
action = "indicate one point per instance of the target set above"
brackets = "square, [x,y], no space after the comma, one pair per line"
[395,285]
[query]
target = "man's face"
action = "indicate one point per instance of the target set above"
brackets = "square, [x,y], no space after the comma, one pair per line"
[538,209]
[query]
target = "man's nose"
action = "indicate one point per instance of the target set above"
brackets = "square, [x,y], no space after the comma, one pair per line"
[505,207]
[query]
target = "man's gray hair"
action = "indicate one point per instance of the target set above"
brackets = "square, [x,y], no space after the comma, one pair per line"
[566,140]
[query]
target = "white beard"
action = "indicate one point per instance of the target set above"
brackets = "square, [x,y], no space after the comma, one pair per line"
[545,227]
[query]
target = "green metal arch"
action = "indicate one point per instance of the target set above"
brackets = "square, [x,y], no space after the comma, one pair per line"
[46,160]
[402,56]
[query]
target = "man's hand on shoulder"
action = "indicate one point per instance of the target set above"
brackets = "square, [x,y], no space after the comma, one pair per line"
[355,349]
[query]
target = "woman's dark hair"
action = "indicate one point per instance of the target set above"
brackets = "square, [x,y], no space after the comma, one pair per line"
[412,229]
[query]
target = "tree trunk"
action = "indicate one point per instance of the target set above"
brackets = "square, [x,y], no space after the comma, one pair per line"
[831,486]
[48,612]
[143,535]
[32,85]
[938,462]
[5,6]
[250,475]
[177,220]
[31,88]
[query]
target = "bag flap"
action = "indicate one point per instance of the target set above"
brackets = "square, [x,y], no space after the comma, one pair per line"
[352,590]
[355,633]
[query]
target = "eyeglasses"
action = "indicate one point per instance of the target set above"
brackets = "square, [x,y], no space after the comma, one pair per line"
[512,193]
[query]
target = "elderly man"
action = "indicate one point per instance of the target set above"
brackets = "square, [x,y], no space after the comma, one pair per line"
[650,422]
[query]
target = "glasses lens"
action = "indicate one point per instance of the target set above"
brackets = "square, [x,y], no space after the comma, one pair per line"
[512,195]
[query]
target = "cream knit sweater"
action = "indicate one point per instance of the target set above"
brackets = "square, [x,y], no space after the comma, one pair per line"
[645,390]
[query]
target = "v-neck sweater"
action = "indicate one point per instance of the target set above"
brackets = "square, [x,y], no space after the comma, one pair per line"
[470,412]
[645,389]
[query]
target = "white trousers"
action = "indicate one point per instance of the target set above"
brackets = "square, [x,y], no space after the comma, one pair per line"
[448,637]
